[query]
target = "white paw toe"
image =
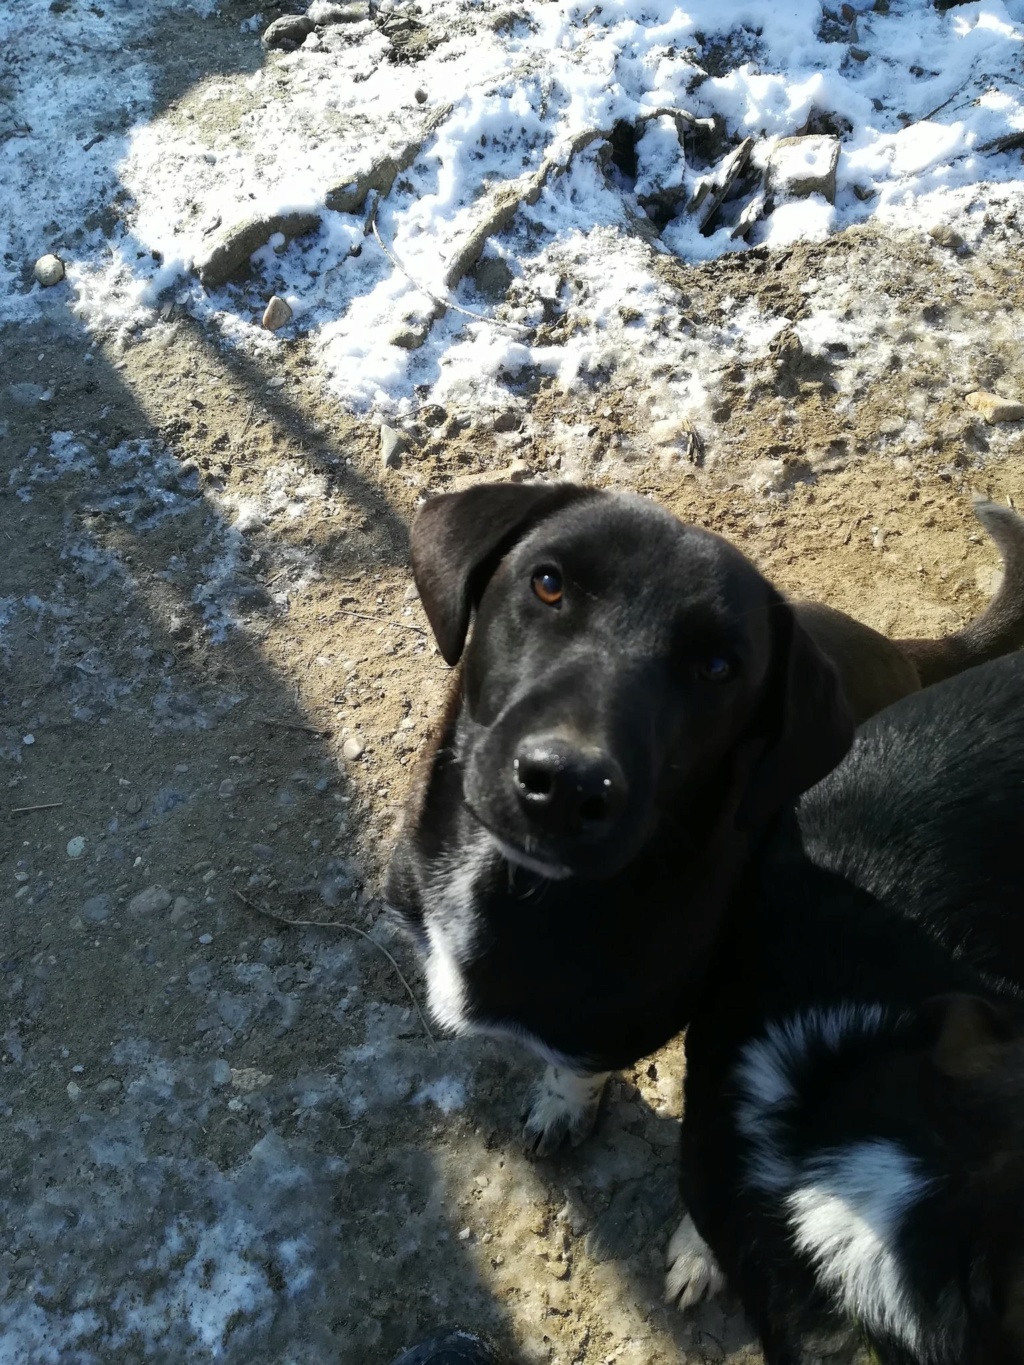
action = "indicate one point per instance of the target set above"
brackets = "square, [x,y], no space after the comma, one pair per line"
[563,1108]
[693,1272]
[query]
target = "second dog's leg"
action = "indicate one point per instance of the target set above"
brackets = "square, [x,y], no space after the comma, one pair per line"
[563,1107]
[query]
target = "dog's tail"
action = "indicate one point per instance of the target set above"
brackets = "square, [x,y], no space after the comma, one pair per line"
[1000,627]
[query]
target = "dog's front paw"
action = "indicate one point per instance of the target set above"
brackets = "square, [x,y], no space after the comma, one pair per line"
[563,1108]
[693,1272]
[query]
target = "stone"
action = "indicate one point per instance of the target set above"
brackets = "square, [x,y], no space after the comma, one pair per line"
[408,338]
[509,420]
[288,32]
[492,278]
[859,54]
[226,789]
[393,445]
[110,1085]
[182,906]
[134,804]
[76,846]
[74,1090]
[994,408]
[276,314]
[352,749]
[232,246]
[49,270]
[96,909]
[799,166]
[154,898]
[946,236]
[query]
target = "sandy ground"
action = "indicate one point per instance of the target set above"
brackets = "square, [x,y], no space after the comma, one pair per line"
[229,1139]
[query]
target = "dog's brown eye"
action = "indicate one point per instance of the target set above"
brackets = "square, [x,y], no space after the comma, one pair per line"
[547,584]
[715,669]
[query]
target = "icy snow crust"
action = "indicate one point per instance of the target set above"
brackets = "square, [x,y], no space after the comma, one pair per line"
[923,110]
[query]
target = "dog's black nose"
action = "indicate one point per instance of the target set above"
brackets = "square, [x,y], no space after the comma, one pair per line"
[568,789]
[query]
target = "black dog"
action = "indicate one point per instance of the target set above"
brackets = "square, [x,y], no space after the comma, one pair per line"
[853,1149]
[635,706]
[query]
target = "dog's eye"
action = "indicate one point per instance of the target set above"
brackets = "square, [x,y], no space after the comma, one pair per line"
[715,669]
[547,584]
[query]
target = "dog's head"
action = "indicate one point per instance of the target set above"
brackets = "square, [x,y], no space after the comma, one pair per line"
[624,670]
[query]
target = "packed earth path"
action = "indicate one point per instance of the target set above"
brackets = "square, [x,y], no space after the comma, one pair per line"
[534,240]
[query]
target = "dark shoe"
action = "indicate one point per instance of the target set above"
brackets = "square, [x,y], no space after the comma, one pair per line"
[454,1348]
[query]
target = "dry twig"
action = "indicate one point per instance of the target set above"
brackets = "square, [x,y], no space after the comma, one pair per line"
[347,928]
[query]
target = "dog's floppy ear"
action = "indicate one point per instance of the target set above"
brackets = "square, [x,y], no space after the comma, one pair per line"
[805,719]
[459,539]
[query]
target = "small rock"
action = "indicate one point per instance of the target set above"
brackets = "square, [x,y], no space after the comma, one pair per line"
[154,898]
[76,846]
[226,788]
[492,278]
[233,245]
[353,748]
[517,471]
[859,54]
[205,939]
[96,909]
[288,32]
[509,420]
[74,1090]
[49,270]
[182,906]
[276,314]
[994,408]
[408,338]
[393,445]
[945,236]
[799,166]
[134,804]
[110,1085]
[28,739]
[420,96]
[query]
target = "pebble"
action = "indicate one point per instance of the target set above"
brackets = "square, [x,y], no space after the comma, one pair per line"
[182,906]
[74,1090]
[109,1086]
[76,846]
[288,32]
[28,739]
[408,338]
[393,445]
[994,408]
[154,898]
[96,909]
[800,166]
[226,788]
[205,939]
[49,270]
[352,749]
[859,54]
[509,420]
[946,236]
[420,96]
[276,314]
[134,804]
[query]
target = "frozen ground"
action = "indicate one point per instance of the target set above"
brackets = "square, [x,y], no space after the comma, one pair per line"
[228,1139]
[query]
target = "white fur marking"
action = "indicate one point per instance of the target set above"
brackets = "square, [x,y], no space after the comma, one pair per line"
[451,931]
[768,1073]
[564,1106]
[693,1272]
[846,1214]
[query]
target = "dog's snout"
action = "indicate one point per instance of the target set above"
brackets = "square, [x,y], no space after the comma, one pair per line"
[568,789]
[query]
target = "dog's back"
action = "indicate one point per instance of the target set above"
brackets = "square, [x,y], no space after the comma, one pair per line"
[927,813]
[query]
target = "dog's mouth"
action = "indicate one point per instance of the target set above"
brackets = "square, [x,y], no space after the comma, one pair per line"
[522,857]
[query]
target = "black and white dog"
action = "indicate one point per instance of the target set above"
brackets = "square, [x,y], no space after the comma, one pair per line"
[635,707]
[853,1143]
